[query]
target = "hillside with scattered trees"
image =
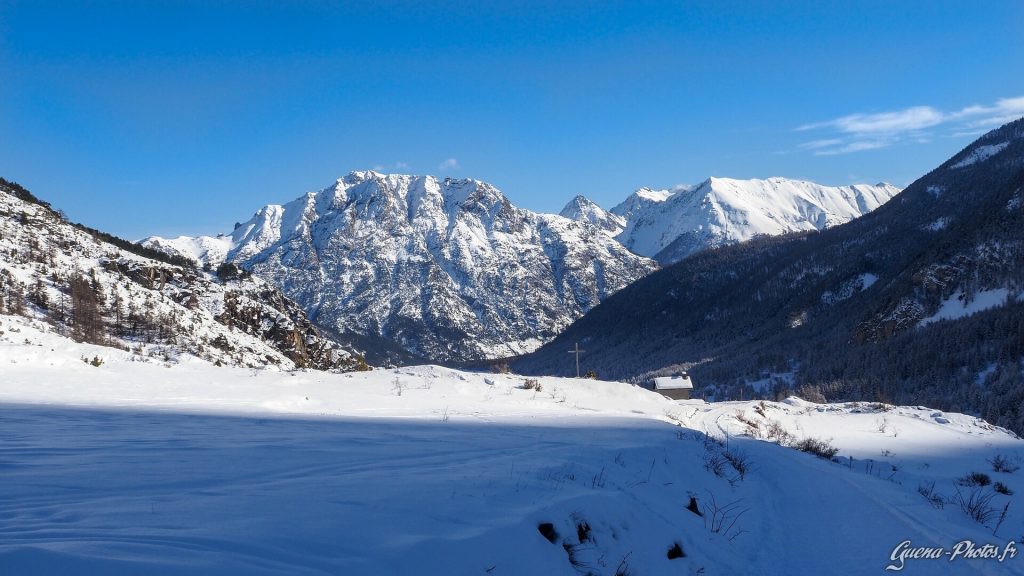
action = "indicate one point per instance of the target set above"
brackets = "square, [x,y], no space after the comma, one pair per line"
[96,288]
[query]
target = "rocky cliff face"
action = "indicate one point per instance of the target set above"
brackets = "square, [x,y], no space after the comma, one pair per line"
[451,270]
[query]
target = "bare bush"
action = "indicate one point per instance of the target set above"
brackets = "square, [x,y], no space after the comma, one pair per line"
[1003,489]
[974,479]
[531,384]
[820,448]
[722,519]
[715,463]
[1002,464]
[753,427]
[977,504]
[710,442]
[778,433]
[933,497]
[739,461]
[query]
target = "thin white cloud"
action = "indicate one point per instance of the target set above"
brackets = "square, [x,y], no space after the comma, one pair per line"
[914,118]
[855,146]
[449,164]
[993,121]
[384,169]
[815,144]
[858,132]
[1004,108]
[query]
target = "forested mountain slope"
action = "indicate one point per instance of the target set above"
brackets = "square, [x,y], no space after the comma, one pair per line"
[917,302]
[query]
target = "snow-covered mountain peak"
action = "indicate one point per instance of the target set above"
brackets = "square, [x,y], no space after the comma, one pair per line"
[639,200]
[654,195]
[721,211]
[412,193]
[579,204]
[669,225]
[582,208]
[356,176]
[448,268]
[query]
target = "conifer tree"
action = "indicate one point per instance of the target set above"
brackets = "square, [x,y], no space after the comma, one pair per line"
[87,324]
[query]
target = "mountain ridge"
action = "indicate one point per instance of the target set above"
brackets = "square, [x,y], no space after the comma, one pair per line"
[669,225]
[449,269]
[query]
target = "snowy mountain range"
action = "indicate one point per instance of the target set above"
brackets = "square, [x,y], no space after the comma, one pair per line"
[669,225]
[100,289]
[449,269]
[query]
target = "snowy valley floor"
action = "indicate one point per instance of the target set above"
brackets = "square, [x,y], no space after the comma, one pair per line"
[137,467]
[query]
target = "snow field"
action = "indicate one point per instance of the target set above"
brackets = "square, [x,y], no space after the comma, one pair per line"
[142,467]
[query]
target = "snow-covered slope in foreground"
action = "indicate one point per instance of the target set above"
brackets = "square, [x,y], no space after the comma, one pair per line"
[134,467]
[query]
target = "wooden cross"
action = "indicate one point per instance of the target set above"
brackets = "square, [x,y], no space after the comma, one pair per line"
[577,352]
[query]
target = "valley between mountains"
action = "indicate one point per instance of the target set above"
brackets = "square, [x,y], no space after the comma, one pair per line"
[269,401]
[533,288]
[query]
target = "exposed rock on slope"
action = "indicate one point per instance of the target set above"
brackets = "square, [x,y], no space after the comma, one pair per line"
[128,297]
[449,269]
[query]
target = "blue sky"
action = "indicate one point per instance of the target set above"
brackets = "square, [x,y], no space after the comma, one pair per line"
[180,118]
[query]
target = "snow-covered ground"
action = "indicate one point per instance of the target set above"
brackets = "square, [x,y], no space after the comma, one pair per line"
[137,467]
[980,154]
[956,306]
